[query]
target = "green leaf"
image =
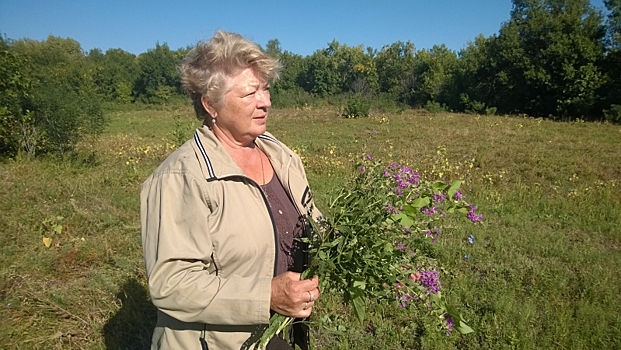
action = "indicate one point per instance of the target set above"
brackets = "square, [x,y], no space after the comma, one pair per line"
[360,284]
[438,186]
[454,187]
[420,202]
[357,299]
[460,324]
[403,219]
[463,328]
[410,210]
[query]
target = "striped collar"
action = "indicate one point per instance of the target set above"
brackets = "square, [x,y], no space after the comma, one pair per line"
[218,163]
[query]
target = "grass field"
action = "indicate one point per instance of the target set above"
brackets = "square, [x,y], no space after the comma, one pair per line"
[544,271]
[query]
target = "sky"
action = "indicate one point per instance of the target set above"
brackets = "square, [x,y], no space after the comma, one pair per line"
[302,27]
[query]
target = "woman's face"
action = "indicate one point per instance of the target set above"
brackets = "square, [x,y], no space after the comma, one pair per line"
[243,115]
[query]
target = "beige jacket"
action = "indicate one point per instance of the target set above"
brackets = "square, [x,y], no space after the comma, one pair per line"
[209,243]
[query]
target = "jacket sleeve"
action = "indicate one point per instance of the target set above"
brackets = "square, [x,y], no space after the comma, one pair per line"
[177,249]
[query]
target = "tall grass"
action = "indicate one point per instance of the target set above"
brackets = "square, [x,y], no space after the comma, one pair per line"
[543,272]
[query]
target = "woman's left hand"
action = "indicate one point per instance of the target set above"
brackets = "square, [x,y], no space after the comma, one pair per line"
[292,297]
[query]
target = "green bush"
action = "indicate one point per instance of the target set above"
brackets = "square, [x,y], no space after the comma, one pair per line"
[356,107]
[48,99]
[292,98]
[435,107]
[387,103]
[613,114]
[490,111]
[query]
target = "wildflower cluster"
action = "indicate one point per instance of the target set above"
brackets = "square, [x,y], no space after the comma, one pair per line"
[376,243]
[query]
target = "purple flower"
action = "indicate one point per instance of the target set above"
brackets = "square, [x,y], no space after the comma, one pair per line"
[389,208]
[429,280]
[434,234]
[472,215]
[439,197]
[458,195]
[367,157]
[403,299]
[449,324]
[400,247]
[414,179]
[362,169]
[429,211]
[399,191]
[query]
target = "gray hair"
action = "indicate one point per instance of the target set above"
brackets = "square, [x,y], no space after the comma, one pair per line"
[207,69]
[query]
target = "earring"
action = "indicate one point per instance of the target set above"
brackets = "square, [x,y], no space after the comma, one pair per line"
[213,121]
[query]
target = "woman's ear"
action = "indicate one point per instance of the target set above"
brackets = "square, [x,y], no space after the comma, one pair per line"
[208,106]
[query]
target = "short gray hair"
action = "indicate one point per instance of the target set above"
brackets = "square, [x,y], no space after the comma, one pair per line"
[208,68]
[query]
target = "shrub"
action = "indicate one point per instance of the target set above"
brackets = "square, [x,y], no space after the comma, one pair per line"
[435,107]
[292,98]
[613,114]
[387,103]
[48,97]
[474,106]
[356,107]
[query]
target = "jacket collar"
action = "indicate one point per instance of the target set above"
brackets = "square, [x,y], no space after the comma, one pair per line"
[216,163]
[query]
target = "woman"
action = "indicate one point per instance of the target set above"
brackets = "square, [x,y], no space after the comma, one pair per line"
[220,216]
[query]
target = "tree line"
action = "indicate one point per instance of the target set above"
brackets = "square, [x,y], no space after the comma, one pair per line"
[556,59]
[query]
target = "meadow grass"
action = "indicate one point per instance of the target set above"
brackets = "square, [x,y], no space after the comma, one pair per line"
[543,271]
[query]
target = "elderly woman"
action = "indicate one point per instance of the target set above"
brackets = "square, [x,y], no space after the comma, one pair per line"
[221,215]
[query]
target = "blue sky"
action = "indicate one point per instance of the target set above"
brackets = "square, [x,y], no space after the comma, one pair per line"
[302,27]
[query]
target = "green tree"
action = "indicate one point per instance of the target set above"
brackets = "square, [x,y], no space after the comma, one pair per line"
[395,66]
[433,72]
[355,68]
[57,102]
[115,73]
[544,62]
[157,78]
[611,64]
[473,82]
[321,76]
[291,75]
[613,24]
[15,88]
[340,68]
[273,48]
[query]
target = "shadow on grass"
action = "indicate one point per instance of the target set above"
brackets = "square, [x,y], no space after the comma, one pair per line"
[132,326]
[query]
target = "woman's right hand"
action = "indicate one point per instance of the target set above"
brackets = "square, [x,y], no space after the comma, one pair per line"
[292,297]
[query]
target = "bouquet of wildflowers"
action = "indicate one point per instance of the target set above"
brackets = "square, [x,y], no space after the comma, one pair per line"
[376,245]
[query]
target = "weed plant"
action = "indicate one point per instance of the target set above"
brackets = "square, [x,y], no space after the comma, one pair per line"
[541,272]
